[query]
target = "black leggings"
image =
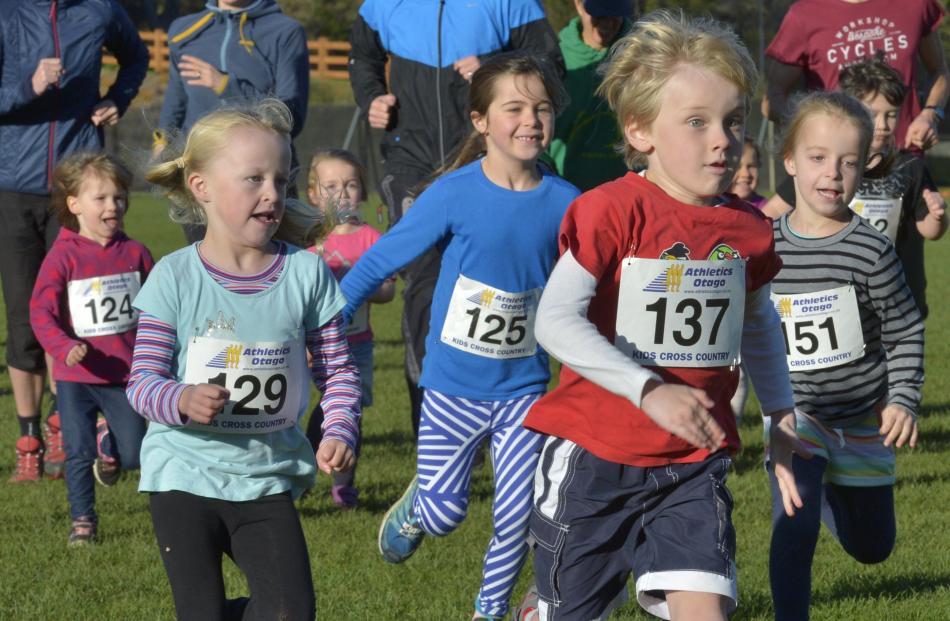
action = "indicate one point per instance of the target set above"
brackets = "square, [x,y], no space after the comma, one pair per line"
[262,536]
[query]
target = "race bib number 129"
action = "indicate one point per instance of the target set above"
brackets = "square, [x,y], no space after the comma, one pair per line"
[681,313]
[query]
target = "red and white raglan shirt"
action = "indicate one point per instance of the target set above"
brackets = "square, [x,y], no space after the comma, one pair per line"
[824,36]
[674,292]
[83,294]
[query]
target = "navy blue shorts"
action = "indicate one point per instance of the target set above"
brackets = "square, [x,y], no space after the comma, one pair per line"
[594,522]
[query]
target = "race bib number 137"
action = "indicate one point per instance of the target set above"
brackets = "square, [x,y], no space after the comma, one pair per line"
[681,313]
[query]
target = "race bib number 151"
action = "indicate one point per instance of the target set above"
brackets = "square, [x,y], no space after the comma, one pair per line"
[681,313]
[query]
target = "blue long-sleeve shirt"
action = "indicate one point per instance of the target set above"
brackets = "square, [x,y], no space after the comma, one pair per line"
[502,239]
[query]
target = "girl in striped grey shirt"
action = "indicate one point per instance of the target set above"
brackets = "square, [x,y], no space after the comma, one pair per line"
[854,343]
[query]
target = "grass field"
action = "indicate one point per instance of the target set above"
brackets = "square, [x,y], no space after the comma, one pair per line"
[123,578]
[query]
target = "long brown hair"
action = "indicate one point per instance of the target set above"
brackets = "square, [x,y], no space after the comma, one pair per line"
[482,92]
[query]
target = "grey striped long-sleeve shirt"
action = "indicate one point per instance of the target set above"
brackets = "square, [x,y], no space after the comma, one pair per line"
[892,366]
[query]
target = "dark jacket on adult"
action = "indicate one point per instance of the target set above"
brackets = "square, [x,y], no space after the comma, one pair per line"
[36,131]
[261,52]
[432,96]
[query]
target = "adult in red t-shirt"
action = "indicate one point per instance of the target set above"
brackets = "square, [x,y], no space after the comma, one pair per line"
[818,38]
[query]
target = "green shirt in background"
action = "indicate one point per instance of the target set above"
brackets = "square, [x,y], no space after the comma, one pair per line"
[585,134]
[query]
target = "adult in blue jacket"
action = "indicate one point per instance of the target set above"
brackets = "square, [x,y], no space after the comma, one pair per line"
[433,49]
[50,107]
[233,50]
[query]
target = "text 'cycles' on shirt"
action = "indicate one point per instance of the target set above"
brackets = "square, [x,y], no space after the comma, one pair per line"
[102,305]
[821,329]
[487,321]
[264,380]
[681,313]
[884,214]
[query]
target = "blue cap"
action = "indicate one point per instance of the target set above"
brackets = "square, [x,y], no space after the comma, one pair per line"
[609,8]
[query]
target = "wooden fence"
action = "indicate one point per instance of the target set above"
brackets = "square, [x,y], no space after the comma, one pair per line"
[328,59]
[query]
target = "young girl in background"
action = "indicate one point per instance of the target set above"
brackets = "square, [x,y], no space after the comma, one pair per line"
[81,312]
[220,369]
[494,216]
[337,188]
[746,180]
[895,194]
[854,344]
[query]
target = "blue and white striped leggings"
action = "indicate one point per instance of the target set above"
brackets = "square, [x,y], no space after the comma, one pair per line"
[450,430]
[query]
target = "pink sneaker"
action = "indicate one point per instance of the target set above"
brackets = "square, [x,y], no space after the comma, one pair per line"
[345,496]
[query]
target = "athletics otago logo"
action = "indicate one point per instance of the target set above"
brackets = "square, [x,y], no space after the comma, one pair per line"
[667,281]
[227,358]
[484,297]
[784,307]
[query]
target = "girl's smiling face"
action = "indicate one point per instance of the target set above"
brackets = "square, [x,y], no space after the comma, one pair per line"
[520,119]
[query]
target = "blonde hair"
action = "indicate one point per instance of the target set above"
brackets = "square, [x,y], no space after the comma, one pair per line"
[835,104]
[72,171]
[207,137]
[324,155]
[642,63]
[302,224]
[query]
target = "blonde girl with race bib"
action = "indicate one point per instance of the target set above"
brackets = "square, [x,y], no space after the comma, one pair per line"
[81,312]
[854,341]
[494,216]
[337,187]
[895,196]
[661,288]
[221,371]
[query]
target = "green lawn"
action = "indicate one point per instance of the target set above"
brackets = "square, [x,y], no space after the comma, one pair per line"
[123,578]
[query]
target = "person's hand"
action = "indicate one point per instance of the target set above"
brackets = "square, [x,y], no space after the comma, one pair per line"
[467,66]
[922,132]
[76,354]
[936,206]
[380,112]
[335,456]
[684,412]
[48,72]
[784,444]
[199,73]
[105,113]
[898,426]
[202,402]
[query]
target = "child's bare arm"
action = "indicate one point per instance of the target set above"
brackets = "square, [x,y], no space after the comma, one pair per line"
[385,293]
[931,215]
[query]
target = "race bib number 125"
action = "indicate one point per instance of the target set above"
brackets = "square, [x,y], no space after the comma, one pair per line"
[681,313]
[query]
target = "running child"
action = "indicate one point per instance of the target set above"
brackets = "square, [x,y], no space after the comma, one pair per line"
[746,180]
[81,312]
[895,194]
[662,283]
[494,215]
[224,456]
[337,187]
[855,346]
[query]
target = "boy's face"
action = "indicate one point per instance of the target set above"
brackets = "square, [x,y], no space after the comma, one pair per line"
[884,114]
[99,206]
[694,144]
[826,164]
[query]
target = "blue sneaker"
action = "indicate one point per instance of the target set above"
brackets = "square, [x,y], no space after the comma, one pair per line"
[400,534]
[481,615]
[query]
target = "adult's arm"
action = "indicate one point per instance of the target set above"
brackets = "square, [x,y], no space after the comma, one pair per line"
[781,79]
[293,76]
[367,64]
[123,40]
[922,131]
[13,95]
[538,38]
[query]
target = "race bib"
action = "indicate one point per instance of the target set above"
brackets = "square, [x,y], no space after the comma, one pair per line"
[103,305]
[360,321]
[681,313]
[264,380]
[489,322]
[884,214]
[821,329]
